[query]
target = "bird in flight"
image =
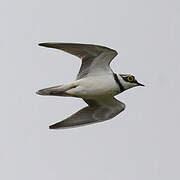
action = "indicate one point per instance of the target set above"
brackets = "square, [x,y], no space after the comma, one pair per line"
[95,83]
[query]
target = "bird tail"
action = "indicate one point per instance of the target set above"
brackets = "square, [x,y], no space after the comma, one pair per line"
[51,91]
[56,90]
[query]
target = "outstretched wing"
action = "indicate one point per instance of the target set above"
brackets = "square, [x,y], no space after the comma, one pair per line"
[95,59]
[96,111]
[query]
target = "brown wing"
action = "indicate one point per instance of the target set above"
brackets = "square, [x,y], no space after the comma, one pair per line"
[95,58]
[97,111]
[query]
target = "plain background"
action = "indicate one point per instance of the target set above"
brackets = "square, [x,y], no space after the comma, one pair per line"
[142,143]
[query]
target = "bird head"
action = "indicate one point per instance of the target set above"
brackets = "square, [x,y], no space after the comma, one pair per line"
[128,81]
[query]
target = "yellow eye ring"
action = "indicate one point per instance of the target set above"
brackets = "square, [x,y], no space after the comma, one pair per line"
[130,78]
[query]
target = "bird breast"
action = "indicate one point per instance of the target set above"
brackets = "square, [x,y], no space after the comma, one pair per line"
[90,87]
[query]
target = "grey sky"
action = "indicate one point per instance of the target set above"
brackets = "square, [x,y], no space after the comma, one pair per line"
[142,142]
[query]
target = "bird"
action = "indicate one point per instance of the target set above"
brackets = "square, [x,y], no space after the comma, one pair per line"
[96,84]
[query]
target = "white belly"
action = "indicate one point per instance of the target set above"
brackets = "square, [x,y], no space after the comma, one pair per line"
[91,87]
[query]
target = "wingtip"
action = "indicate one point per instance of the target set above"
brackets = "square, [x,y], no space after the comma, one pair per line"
[49,45]
[54,126]
[40,44]
[43,44]
[58,125]
[51,127]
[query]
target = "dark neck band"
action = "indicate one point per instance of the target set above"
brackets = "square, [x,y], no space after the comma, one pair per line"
[118,82]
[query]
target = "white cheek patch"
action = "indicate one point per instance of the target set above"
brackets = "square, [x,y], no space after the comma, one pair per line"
[128,85]
[132,85]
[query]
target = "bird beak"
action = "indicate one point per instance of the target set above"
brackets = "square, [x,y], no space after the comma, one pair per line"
[139,84]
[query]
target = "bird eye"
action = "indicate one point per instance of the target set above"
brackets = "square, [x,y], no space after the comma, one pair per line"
[130,78]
